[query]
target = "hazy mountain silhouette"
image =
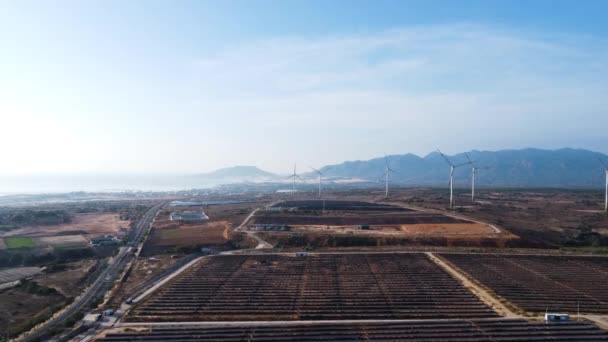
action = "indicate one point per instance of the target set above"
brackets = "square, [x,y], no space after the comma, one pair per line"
[238,172]
[514,168]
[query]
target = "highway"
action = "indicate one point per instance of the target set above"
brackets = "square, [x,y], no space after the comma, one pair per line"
[101,285]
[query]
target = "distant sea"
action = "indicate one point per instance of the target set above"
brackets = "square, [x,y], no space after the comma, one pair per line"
[63,183]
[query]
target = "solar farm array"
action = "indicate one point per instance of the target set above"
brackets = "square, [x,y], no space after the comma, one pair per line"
[538,283]
[319,287]
[496,330]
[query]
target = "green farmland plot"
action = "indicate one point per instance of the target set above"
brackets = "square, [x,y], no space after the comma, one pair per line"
[19,242]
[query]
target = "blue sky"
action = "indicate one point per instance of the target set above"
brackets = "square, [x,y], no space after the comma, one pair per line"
[159,86]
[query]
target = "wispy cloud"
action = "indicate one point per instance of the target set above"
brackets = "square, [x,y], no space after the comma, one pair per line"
[314,100]
[417,60]
[413,89]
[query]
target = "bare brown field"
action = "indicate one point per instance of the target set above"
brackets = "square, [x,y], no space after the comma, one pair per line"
[142,269]
[61,240]
[545,218]
[90,224]
[70,281]
[447,229]
[174,234]
[431,229]
[339,223]
[24,307]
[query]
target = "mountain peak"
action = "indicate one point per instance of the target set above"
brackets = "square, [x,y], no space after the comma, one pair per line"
[239,171]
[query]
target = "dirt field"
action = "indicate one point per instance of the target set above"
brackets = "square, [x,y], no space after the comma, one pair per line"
[61,241]
[175,235]
[70,281]
[389,224]
[547,218]
[24,307]
[142,269]
[17,273]
[209,233]
[447,229]
[89,224]
[167,234]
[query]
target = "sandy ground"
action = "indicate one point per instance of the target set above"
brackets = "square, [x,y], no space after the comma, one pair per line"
[2,244]
[447,229]
[431,229]
[23,307]
[92,224]
[63,240]
[191,234]
[141,270]
[12,274]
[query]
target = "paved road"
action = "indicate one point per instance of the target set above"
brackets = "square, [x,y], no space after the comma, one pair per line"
[101,285]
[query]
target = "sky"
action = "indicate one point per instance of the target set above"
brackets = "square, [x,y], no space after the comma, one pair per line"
[192,86]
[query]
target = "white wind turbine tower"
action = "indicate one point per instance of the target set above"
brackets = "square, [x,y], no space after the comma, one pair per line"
[452,167]
[320,174]
[606,195]
[294,176]
[387,171]
[474,170]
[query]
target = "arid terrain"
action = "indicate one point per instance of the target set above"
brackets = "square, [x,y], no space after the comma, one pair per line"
[82,224]
[334,223]
[174,236]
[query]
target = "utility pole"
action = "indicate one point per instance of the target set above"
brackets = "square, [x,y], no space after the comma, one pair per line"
[451,186]
[473,185]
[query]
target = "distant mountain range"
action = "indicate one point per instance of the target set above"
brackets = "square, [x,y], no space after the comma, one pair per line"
[576,168]
[250,173]
[571,168]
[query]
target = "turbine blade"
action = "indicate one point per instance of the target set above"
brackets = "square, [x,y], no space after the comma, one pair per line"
[468,158]
[446,158]
[317,171]
[467,163]
[381,179]
[602,161]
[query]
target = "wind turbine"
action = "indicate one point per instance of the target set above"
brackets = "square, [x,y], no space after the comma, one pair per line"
[387,171]
[320,174]
[294,176]
[474,170]
[452,167]
[606,170]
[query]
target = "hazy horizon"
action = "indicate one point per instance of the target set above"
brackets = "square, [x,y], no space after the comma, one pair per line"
[157,87]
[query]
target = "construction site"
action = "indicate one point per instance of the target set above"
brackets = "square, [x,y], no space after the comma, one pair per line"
[359,223]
